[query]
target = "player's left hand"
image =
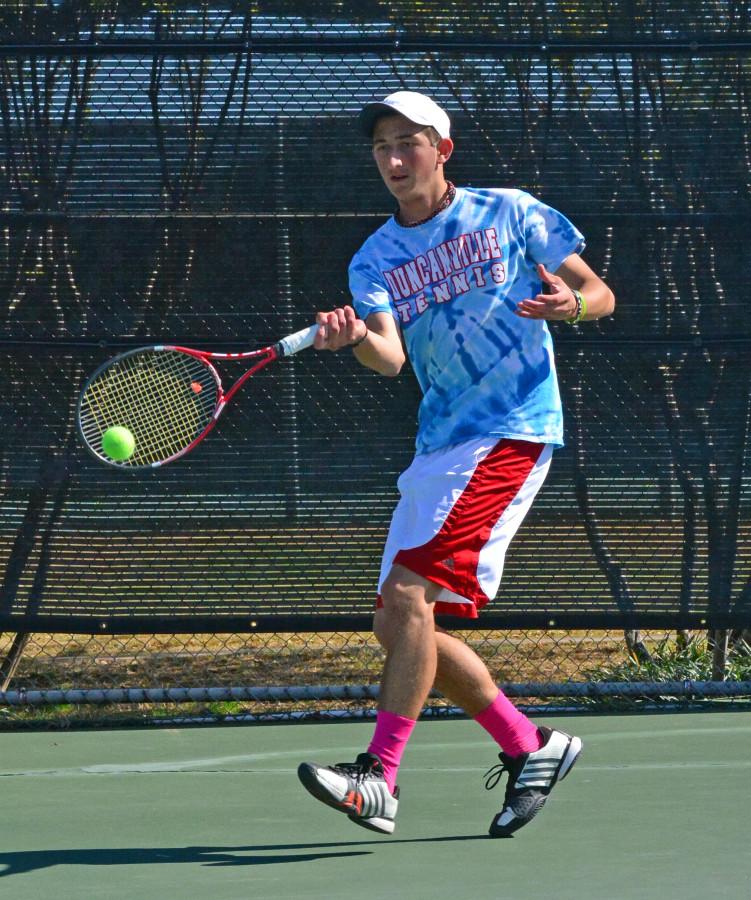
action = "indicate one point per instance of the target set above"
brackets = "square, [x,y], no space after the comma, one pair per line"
[558,304]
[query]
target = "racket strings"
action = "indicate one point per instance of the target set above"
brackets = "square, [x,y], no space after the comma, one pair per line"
[165,398]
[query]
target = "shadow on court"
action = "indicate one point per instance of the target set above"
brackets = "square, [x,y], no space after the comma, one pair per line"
[21,861]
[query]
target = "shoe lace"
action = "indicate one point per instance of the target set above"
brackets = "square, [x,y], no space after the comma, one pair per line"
[495,773]
[361,769]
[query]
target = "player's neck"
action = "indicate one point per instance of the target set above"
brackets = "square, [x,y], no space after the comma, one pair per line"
[424,207]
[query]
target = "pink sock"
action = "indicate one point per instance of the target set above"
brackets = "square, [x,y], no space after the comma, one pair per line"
[390,738]
[509,728]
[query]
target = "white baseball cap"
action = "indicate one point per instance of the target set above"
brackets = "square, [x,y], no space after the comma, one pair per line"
[416,107]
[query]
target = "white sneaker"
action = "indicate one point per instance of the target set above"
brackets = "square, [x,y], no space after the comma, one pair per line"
[358,789]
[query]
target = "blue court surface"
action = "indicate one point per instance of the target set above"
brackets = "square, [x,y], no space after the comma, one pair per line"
[657,808]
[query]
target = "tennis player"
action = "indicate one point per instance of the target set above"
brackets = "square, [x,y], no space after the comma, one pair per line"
[462,281]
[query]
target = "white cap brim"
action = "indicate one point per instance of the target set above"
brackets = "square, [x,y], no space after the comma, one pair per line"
[433,116]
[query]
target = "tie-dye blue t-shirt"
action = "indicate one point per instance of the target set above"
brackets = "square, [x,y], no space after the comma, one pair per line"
[452,284]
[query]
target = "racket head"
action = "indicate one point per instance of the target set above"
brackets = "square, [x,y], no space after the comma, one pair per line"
[167,397]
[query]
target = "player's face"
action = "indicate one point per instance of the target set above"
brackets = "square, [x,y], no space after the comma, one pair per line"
[407,160]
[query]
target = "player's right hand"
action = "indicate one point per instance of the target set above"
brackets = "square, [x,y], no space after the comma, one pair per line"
[338,328]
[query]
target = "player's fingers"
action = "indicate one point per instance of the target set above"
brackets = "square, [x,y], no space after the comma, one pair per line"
[543,306]
[543,273]
[320,338]
[530,307]
[337,328]
[555,282]
[555,305]
[336,323]
[328,328]
[548,277]
[540,303]
[351,320]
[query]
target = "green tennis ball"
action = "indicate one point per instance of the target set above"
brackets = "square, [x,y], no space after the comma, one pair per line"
[118,443]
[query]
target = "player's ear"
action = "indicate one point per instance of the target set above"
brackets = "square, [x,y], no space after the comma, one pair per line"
[445,148]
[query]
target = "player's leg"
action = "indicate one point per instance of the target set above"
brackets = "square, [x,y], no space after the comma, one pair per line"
[405,627]
[461,676]
[473,541]
[464,678]
[534,758]
[404,623]
[366,789]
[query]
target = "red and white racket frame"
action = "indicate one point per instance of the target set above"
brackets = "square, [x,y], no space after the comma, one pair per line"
[287,346]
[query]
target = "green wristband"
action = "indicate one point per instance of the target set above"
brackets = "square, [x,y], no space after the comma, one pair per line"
[581,308]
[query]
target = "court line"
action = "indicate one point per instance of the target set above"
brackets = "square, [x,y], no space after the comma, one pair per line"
[613,767]
[216,764]
[186,769]
[198,765]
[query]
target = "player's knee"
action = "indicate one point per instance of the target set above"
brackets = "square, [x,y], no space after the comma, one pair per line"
[404,603]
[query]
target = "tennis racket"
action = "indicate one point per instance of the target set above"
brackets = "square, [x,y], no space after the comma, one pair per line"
[169,398]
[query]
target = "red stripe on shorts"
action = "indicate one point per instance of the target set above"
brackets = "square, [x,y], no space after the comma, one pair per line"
[450,558]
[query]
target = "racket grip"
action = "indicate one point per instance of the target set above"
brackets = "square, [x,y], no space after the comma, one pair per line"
[293,343]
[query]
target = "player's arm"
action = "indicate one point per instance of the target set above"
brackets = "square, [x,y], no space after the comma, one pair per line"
[377,344]
[559,301]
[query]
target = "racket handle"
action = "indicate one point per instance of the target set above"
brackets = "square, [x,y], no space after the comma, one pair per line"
[293,343]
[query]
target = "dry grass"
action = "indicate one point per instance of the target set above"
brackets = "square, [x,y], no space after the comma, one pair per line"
[82,661]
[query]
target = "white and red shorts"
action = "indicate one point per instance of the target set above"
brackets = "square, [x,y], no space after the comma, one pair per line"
[459,509]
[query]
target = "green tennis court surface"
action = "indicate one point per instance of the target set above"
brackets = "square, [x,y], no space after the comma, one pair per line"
[657,807]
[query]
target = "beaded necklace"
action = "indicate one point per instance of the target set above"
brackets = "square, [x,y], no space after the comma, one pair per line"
[445,201]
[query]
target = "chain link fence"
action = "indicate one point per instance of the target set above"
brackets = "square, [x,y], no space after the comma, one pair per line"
[67,679]
[192,173]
